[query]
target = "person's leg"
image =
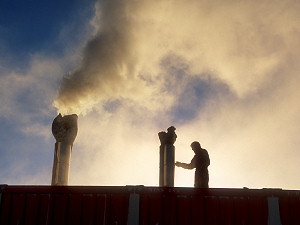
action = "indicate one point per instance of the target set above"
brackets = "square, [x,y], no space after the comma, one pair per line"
[201,180]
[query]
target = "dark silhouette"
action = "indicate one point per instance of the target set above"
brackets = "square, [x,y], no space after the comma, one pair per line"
[167,157]
[168,138]
[64,130]
[200,161]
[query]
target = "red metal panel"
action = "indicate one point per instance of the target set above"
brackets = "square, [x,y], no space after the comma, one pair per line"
[213,213]
[18,212]
[290,210]
[89,209]
[258,209]
[109,205]
[294,206]
[241,215]
[265,211]
[184,210]
[32,209]
[46,209]
[169,209]
[198,210]
[144,210]
[226,211]
[284,206]
[102,210]
[155,210]
[6,207]
[74,210]
[119,209]
[60,209]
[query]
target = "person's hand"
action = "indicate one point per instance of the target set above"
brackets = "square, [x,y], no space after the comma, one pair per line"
[178,164]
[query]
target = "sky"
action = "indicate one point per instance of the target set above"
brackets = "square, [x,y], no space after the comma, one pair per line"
[224,73]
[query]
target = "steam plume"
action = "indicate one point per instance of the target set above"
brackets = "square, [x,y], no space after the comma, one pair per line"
[108,65]
[240,43]
[151,52]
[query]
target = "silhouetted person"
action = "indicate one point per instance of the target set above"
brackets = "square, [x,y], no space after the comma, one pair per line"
[200,161]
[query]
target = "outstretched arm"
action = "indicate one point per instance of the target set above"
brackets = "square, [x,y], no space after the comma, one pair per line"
[188,166]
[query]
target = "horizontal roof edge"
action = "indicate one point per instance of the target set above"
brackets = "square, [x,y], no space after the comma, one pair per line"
[140,189]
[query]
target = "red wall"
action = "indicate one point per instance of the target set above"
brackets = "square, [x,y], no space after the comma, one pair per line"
[110,205]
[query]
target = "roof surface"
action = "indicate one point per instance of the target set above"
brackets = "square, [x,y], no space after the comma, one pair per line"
[146,205]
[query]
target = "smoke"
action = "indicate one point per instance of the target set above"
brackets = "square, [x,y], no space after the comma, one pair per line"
[109,66]
[225,72]
[241,43]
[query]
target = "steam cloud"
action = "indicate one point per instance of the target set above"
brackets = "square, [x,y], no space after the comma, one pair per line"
[153,54]
[225,73]
[109,63]
[242,44]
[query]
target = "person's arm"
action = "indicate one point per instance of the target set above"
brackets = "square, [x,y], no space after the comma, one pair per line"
[188,166]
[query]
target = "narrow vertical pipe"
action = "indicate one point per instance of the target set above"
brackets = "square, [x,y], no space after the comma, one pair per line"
[55,163]
[161,165]
[169,165]
[167,157]
[64,129]
[61,163]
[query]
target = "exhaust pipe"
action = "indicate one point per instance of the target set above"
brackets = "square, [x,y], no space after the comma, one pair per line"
[167,157]
[64,130]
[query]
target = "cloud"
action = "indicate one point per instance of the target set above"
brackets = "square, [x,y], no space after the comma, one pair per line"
[28,84]
[223,72]
[26,114]
[240,43]
[35,86]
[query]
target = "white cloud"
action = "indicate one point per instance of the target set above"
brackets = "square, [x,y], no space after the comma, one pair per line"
[250,129]
[147,60]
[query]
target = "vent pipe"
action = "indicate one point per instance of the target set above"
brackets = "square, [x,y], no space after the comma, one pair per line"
[167,157]
[64,130]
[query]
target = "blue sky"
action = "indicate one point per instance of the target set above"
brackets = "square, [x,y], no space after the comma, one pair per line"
[29,28]
[224,73]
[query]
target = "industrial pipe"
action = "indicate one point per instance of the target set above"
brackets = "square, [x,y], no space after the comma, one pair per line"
[64,130]
[167,157]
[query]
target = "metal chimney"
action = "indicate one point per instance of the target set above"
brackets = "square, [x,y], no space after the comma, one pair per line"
[167,157]
[64,130]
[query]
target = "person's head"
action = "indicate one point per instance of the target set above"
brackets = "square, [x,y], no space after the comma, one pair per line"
[195,145]
[171,129]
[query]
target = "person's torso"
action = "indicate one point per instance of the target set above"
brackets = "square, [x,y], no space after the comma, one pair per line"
[201,160]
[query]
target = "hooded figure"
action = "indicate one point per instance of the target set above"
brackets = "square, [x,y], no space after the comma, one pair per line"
[200,161]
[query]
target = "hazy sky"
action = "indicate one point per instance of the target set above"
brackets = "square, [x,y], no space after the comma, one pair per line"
[225,73]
